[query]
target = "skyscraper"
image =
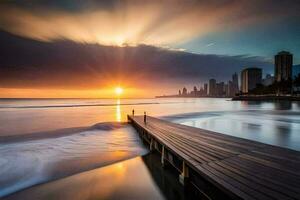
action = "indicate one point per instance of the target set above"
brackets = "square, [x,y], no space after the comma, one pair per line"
[235,84]
[219,89]
[212,87]
[283,66]
[230,90]
[195,91]
[250,77]
[296,70]
[268,80]
[205,89]
[184,91]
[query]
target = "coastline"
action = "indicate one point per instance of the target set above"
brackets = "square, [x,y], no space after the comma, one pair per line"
[266,98]
[191,97]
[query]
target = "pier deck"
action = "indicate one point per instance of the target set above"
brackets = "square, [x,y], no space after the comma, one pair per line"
[241,168]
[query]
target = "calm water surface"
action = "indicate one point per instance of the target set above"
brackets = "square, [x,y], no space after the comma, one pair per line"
[48,139]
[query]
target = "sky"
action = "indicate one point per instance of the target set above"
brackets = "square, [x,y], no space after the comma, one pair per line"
[64,48]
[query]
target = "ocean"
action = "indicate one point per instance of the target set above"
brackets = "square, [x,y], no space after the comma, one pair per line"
[46,143]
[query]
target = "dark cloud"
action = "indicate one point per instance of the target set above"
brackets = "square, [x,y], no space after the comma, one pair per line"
[254,7]
[67,5]
[26,63]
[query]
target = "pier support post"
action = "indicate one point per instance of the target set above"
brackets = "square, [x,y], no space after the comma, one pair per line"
[128,119]
[183,177]
[163,156]
[156,145]
[151,144]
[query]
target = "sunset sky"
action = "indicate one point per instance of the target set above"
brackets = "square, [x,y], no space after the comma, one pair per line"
[64,48]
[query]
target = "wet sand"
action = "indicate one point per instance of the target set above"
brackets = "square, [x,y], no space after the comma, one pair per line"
[137,178]
[124,180]
[28,163]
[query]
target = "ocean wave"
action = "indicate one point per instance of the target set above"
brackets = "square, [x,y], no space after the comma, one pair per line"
[105,126]
[45,158]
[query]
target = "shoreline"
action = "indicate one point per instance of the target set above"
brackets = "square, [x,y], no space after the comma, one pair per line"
[190,97]
[266,98]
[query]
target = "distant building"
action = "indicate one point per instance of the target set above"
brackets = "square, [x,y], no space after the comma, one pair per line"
[296,73]
[184,91]
[283,66]
[179,93]
[227,88]
[235,84]
[195,91]
[205,89]
[268,80]
[231,89]
[212,87]
[250,77]
[296,70]
[220,89]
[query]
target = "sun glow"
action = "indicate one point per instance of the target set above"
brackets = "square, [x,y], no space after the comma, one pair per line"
[119,91]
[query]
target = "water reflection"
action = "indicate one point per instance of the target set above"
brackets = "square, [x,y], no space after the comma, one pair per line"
[137,178]
[125,180]
[283,105]
[118,111]
[247,103]
[276,105]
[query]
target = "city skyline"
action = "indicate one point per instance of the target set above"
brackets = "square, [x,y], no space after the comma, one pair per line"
[250,79]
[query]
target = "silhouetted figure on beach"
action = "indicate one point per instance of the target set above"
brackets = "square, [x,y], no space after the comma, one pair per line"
[133,112]
[145,117]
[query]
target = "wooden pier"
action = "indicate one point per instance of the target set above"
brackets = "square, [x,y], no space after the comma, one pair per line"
[240,168]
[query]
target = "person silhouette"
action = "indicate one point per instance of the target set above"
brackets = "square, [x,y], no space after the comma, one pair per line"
[145,117]
[132,112]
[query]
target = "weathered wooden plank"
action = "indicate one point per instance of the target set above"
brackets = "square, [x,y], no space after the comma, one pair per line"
[239,187]
[285,188]
[264,171]
[290,163]
[222,184]
[214,150]
[207,153]
[276,165]
[249,180]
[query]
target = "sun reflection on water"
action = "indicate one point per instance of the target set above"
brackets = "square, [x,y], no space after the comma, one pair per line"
[118,111]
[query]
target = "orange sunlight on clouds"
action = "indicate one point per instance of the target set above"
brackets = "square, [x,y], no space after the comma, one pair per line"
[120,26]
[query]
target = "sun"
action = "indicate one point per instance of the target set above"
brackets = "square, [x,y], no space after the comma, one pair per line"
[119,91]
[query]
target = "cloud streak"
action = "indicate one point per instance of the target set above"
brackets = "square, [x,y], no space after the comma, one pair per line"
[132,22]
